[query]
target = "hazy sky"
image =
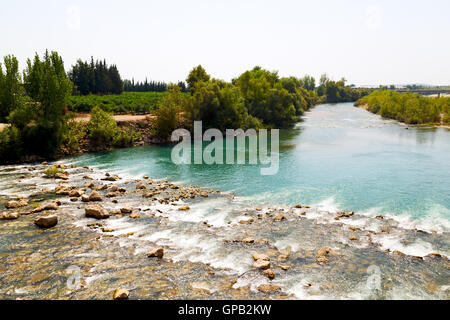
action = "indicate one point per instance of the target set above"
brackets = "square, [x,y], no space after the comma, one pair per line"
[367,42]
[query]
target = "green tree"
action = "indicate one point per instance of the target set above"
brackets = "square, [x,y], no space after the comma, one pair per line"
[10,87]
[47,85]
[197,75]
[168,116]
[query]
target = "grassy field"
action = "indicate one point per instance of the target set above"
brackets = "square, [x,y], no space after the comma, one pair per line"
[127,102]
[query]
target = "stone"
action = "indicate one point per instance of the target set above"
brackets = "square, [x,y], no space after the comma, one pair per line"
[51,206]
[16,204]
[46,221]
[95,196]
[322,259]
[85,198]
[284,267]
[74,194]
[269,274]
[323,251]
[9,216]
[260,256]
[96,211]
[112,179]
[114,188]
[268,288]
[126,209]
[121,294]
[248,240]
[298,206]
[141,186]
[156,253]
[204,194]
[112,194]
[353,238]
[279,217]
[246,221]
[184,208]
[261,264]
[62,176]
[135,215]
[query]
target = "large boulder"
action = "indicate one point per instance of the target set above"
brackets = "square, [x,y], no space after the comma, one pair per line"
[97,212]
[46,221]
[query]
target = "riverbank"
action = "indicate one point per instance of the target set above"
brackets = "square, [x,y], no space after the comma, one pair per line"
[141,124]
[213,244]
[435,125]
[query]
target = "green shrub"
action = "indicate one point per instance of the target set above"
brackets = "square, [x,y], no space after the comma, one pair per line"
[75,131]
[52,172]
[101,127]
[125,137]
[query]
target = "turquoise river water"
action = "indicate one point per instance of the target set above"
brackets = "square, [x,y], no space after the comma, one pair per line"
[337,158]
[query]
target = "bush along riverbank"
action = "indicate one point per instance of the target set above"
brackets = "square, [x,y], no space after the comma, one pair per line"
[410,108]
[70,232]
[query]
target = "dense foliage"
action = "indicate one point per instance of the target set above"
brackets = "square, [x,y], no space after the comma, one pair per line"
[258,98]
[96,78]
[102,130]
[127,102]
[10,87]
[168,115]
[338,91]
[410,108]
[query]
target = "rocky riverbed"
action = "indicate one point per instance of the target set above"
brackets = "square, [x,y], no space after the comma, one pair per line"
[84,234]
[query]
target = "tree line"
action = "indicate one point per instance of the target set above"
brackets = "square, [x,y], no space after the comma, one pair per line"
[150,86]
[258,98]
[95,78]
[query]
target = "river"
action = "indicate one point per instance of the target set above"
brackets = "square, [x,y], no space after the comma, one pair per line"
[337,158]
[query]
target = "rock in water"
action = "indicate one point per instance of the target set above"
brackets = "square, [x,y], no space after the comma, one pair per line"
[46,221]
[141,186]
[95,196]
[16,204]
[9,216]
[156,253]
[261,264]
[268,288]
[96,211]
[126,209]
[85,198]
[323,251]
[121,294]
[269,274]
[279,217]
[260,256]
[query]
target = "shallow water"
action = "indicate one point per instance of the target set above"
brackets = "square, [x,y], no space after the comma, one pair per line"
[338,158]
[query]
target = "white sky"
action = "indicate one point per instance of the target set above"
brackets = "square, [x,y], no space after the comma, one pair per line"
[367,42]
